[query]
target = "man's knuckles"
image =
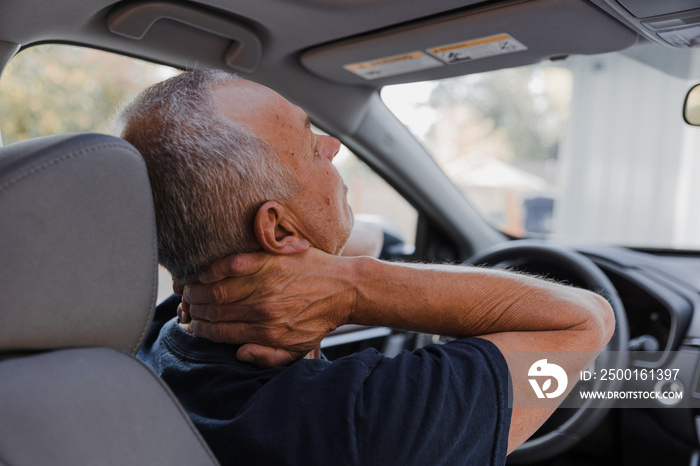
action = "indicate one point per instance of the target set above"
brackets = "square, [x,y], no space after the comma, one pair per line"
[221,334]
[268,312]
[216,293]
[212,313]
[271,336]
[218,332]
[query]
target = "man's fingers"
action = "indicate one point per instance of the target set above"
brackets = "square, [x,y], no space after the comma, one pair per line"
[183,312]
[218,332]
[237,265]
[233,312]
[236,333]
[177,287]
[266,357]
[222,292]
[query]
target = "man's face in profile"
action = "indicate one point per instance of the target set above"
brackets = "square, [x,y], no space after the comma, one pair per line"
[320,208]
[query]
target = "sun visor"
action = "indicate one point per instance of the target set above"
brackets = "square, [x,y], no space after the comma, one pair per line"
[475,40]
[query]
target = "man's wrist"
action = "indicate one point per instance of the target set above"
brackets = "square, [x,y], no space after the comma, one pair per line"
[362,269]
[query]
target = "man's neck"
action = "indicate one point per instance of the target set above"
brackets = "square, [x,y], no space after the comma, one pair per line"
[314,353]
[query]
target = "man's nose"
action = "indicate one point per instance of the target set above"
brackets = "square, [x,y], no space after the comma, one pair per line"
[331,147]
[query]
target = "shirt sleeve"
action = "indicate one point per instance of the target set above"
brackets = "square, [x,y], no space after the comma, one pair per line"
[442,404]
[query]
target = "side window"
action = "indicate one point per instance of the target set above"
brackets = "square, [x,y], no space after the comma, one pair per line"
[372,198]
[51,89]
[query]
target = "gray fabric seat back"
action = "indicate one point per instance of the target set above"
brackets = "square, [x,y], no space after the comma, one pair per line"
[78,267]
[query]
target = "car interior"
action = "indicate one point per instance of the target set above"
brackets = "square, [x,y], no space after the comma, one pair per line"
[79,259]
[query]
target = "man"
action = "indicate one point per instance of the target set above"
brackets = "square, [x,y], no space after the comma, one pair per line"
[236,169]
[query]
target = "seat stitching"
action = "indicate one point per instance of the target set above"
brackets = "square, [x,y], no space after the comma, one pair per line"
[84,151]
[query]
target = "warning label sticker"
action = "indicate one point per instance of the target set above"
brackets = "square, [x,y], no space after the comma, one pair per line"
[478,48]
[450,54]
[391,66]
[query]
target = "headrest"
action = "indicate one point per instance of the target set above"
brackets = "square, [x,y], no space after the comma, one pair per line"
[78,255]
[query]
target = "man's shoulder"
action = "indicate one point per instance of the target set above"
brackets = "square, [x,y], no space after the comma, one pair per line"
[468,351]
[445,401]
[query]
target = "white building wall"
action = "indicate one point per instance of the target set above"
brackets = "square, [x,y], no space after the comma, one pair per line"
[632,181]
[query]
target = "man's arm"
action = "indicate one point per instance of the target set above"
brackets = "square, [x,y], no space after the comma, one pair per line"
[290,302]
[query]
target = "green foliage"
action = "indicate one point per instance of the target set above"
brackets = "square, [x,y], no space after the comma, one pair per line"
[50,89]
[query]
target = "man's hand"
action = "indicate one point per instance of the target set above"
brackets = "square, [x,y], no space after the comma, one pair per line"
[285,304]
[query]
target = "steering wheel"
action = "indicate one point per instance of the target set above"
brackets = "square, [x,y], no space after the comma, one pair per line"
[518,254]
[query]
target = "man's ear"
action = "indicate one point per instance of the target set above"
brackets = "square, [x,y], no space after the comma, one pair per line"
[275,232]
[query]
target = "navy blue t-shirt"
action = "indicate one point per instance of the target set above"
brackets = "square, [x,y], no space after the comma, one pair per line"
[441,404]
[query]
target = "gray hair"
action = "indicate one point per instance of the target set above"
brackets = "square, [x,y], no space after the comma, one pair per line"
[208,174]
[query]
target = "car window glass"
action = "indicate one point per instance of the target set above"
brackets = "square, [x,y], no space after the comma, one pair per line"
[587,148]
[52,89]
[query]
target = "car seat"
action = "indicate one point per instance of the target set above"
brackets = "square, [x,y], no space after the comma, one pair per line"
[78,274]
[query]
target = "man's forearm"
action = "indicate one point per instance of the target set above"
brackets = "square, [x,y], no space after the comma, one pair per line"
[467,301]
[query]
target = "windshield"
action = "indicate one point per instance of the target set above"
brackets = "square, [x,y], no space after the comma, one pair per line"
[589,148]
